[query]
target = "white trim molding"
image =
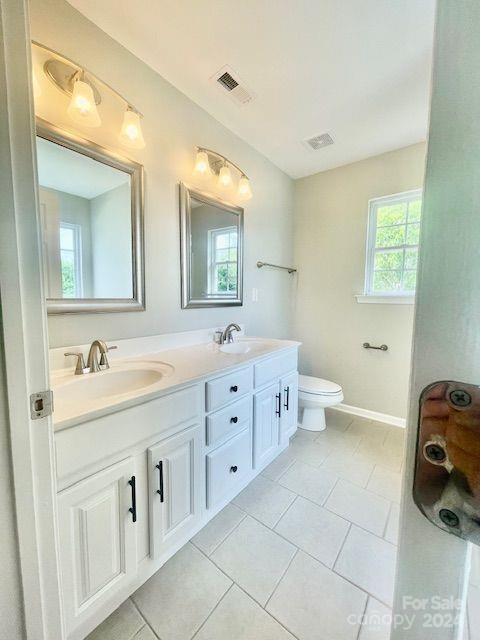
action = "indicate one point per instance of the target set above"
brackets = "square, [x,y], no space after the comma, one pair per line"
[372,415]
[366,299]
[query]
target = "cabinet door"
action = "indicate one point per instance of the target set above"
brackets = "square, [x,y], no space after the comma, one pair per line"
[176,482]
[266,424]
[289,416]
[97,539]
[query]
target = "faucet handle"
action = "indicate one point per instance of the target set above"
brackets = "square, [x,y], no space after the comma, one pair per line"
[80,366]
[114,346]
[103,357]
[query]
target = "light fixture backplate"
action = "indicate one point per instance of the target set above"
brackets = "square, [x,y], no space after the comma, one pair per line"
[63,75]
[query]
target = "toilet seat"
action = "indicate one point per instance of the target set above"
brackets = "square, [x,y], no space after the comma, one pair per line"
[318,386]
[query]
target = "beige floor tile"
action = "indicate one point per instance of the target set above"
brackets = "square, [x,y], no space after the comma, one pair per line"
[304,434]
[314,529]
[265,500]
[338,420]
[332,440]
[238,617]
[368,429]
[380,454]
[215,532]
[314,603]
[255,558]
[278,467]
[393,524]
[122,624]
[310,482]
[386,483]
[355,468]
[377,621]
[359,506]
[307,451]
[177,599]
[369,562]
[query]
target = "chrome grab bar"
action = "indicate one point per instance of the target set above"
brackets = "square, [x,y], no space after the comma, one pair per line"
[261,264]
[382,347]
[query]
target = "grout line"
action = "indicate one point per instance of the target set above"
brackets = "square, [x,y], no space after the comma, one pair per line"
[274,529]
[386,523]
[212,611]
[147,624]
[337,479]
[341,547]
[363,616]
[244,515]
[281,577]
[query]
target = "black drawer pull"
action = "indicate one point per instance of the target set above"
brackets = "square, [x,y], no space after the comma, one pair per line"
[133,508]
[160,480]
[234,389]
[234,420]
[278,411]
[287,398]
[233,469]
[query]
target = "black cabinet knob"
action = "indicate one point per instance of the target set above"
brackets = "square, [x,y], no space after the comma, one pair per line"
[234,420]
[233,469]
[234,389]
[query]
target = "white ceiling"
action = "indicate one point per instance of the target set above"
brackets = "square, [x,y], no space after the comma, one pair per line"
[357,69]
[71,172]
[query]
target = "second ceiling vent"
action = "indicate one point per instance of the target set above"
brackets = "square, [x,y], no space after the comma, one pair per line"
[319,141]
[229,81]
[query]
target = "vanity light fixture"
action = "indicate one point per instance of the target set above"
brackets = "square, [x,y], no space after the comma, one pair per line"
[82,108]
[82,87]
[208,162]
[225,176]
[131,132]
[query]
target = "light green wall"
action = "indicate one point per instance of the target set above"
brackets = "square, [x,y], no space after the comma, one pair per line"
[172,126]
[331,210]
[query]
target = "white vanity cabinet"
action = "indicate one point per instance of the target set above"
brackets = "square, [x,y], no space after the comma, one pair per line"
[97,532]
[171,463]
[176,478]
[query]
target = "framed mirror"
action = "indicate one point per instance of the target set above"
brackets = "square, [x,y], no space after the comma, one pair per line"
[91,207]
[211,250]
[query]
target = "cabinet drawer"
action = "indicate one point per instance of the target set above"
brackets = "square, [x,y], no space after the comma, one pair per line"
[227,421]
[228,465]
[273,368]
[228,388]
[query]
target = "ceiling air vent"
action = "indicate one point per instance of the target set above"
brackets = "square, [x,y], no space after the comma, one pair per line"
[228,80]
[318,142]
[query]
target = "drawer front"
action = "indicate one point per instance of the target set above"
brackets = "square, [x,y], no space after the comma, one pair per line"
[224,423]
[228,465]
[228,388]
[273,368]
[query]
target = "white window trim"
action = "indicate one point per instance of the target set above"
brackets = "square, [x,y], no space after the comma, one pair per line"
[211,261]
[382,298]
[77,252]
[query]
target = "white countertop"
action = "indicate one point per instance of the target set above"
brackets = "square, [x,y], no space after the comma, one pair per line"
[78,399]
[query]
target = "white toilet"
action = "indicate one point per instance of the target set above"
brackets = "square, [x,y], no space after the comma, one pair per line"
[314,395]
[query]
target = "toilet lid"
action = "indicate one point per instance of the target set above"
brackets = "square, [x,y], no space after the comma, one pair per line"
[310,384]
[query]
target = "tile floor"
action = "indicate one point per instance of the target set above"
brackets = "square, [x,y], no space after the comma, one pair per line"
[308,543]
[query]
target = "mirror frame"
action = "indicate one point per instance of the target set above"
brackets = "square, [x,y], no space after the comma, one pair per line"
[71,141]
[189,302]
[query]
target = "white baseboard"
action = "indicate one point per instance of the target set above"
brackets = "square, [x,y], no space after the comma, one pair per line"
[372,415]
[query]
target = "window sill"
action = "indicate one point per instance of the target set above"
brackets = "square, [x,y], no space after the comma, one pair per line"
[363,299]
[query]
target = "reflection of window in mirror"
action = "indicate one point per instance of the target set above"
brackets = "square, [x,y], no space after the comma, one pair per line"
[86,208]
[223,261]
[71,260]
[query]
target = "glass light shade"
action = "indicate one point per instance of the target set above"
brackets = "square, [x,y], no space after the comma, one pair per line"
[244,188]
[131,132]
[202,165]
[225,176]
[82,107]
[37,89]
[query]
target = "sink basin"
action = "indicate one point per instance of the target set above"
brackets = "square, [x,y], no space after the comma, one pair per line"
[235,347]
[92,388]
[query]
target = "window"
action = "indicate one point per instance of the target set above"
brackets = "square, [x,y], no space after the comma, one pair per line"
[223,261]
[392,244]
[71,260]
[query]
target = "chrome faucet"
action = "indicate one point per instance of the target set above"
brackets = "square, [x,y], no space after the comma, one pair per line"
[227,333]
[93,364]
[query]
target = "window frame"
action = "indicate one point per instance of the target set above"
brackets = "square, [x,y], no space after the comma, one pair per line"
[77,256]
[373,206]
[212,262]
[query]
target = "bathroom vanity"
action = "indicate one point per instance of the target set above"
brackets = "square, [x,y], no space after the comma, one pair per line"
[150,450]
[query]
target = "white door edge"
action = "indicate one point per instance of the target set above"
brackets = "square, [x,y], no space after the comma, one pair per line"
[25,333]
